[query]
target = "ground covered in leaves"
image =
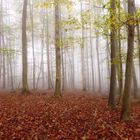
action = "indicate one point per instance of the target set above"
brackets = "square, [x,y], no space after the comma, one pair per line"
[74,117]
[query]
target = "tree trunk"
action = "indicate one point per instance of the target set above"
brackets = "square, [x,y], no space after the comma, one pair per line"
[33,46]
[91,53]
[138,37]
[111,101]
[24,50]
[50,85]
[125,112]
[135,83]
[120,61]
[84,86]
[98,62]
[57,92]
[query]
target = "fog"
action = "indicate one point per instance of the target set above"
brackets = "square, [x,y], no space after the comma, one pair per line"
[97,80]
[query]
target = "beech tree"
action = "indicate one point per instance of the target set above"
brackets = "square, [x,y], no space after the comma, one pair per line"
[125,112]
[24,50]
[111,101]
[57,92]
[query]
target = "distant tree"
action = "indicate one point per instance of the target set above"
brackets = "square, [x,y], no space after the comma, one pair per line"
[91,45]
[2,44]
[119,56]
[57,92]
[82,50]
[31,8]
[49,80]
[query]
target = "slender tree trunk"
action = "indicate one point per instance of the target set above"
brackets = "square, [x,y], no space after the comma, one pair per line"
[138,37]
[120,72]
[87,64]
[62,51]
[4,73]
[49,80]
[135,83]
[98,62]
[120,60]
[42,55]
[57,92]
[3,47]
[63,69]
[108,60]
[24,50]
[91,55]
[33,46]
[1,40]
[42,51]
[73,62]
[82,52]
[11,72]
[125,112]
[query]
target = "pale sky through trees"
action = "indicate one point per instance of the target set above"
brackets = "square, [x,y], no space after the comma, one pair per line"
[14,14]
[13,18]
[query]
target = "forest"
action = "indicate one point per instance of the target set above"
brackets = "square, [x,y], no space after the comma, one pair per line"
[69,69]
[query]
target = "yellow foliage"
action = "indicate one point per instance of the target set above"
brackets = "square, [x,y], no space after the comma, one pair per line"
[52,3]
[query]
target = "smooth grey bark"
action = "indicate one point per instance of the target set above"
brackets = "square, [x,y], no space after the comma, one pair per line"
[57,92]
[3,47]
[41,68]
[33,44]
[120,74]
[98,62]
[84,86]
[73,62]
[4,72]
[91,53]
[24,50]
[11,71]
[108,60]
[135,83]
[87,63]
[63,68]
[49,80]
[62,51]
[138,38]
[42,56]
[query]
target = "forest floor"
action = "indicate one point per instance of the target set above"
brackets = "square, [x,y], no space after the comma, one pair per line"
[82,116]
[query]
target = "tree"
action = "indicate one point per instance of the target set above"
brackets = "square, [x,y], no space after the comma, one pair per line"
[125,112]
[91,45]
[24,50]
[111,101]
[57,92]
[33,46]
[48,53]
[82,50]
[120,66]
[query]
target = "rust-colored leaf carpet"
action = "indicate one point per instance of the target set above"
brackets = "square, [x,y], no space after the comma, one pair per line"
[74,117]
